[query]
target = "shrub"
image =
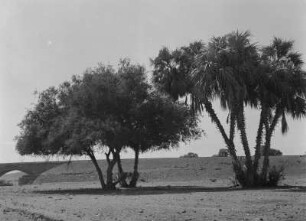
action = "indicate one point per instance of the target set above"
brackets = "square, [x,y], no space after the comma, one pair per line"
[190,155]
[240,176]
[275,176]
[223,153]
[5,183]
[275,152]
[272,152]
[26,179]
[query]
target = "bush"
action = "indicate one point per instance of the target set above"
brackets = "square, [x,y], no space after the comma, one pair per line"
[5,183]
[223,153]
[275,152]
[190,155]
[272,152]
[26,179]
[275,176]
[240,176]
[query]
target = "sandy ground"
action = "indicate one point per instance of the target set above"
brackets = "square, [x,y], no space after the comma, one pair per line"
[194,200]
[171,189]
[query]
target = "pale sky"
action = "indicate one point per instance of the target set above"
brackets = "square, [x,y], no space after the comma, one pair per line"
[43,43]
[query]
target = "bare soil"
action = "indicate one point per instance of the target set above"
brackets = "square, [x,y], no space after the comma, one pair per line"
[191,193]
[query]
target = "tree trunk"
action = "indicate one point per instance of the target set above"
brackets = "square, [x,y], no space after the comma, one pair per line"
[232,126]
[121,174]
[109,172]
[228,142]
[266,163]
[245,144]
[239,173]
[135,172]
[267,146]
[262,120]
[98,169]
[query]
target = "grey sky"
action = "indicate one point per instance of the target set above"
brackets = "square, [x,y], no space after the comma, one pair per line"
[43,43]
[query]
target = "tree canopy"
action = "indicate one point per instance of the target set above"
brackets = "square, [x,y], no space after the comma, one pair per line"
[112,109]
[238,73]
[106,110]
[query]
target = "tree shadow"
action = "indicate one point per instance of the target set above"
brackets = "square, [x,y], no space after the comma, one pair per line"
[288,188]
[157,190]
[150,190]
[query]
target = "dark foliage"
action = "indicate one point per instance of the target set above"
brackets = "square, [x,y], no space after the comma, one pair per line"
[105,110]
[5,183]
[238,73]
[190,155]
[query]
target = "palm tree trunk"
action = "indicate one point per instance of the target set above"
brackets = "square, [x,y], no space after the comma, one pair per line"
[267,146]
[249,176]
[229,143]
[135,172]
[245,143]
[232,126]
[98,169]
[262,120]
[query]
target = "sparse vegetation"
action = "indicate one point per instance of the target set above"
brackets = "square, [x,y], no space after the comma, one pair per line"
[5,183]
[25,179]
[275,175]
[223,153]
[272,152]
[190,155]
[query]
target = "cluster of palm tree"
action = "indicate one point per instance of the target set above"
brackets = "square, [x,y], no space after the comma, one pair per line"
[238,73]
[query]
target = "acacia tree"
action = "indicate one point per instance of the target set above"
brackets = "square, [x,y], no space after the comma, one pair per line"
[160,123]
[232,69]
[104,110]
[154,121]
[75,119]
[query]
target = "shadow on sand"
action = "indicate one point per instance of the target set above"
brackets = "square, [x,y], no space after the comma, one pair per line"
[156,190]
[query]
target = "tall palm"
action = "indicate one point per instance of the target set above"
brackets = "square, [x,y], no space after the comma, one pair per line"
[286,84]
[225,70]
[172,68]
[231,70]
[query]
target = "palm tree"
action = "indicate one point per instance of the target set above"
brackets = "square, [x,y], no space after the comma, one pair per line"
[172,68]
[286,86]
[232,69]
[225,70]
[218,70]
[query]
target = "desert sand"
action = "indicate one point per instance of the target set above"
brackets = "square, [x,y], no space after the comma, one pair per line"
[157,198]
